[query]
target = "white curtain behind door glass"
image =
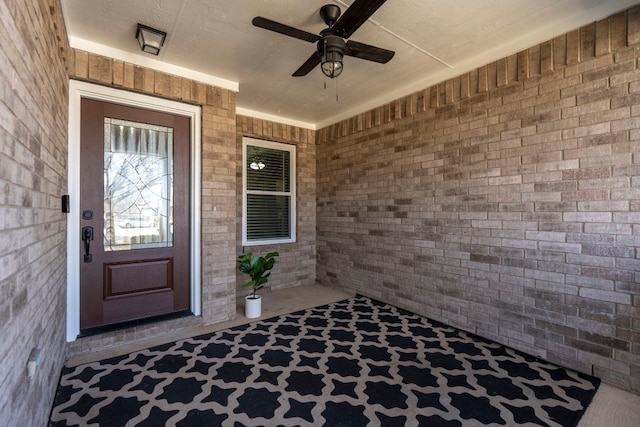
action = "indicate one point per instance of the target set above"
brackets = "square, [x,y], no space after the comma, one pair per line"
[138,185]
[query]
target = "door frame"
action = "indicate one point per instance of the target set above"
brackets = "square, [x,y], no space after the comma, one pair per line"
[77,91]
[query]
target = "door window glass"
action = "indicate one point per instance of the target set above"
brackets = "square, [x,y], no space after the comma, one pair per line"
[138,185]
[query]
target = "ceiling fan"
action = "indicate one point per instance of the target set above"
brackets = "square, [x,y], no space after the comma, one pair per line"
[330,43]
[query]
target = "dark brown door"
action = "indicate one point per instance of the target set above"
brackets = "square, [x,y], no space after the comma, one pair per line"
[134,179]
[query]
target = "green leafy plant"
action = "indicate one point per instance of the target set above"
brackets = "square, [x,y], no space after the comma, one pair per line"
[258,267]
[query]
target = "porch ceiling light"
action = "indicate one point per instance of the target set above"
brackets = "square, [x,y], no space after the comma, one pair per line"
[150,39]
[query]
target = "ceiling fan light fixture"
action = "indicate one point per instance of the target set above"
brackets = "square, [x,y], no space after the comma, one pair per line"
[150,39]
[331,51]
[332,64]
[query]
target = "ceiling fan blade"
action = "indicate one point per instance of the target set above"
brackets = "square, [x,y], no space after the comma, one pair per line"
[277,27]
[309,65]
[355,16]
[368,52]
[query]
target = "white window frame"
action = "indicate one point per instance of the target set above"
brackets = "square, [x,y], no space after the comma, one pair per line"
[291,193]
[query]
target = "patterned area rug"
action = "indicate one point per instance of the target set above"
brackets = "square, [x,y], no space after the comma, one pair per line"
[356,362]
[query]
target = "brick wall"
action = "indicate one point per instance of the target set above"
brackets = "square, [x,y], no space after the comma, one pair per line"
[33,168]
[296,264]
[505,202]
[218,233]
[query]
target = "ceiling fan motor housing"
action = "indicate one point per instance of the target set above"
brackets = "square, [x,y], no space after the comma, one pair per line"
[331,43]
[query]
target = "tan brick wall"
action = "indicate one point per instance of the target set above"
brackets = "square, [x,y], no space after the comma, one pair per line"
[505,201]
[218,234]
[33,169]
[296,264]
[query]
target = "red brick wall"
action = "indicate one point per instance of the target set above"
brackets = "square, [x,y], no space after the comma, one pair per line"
[33,176]
[505,201]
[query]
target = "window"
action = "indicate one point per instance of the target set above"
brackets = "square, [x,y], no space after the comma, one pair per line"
[268,197]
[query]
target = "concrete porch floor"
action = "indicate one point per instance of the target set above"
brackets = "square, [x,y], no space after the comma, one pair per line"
[610,407]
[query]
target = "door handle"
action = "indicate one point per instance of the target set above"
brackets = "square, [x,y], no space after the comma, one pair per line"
[87,237]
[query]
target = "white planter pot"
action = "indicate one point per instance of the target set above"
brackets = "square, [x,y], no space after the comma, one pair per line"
[252,306]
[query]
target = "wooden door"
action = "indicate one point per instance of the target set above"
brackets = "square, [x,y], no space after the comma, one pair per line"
[134,219]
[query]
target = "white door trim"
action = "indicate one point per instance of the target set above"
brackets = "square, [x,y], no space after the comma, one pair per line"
[77,91]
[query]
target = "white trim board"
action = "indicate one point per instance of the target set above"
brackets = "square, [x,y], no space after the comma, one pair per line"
[77,91]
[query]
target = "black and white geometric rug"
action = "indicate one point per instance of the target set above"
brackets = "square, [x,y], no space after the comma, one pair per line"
[356,362]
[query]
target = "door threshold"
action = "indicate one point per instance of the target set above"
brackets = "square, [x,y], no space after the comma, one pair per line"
[87,332]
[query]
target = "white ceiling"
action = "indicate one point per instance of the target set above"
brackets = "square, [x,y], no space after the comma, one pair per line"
[214,41]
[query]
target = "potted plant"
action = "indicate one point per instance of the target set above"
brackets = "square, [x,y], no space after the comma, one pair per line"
[258,268]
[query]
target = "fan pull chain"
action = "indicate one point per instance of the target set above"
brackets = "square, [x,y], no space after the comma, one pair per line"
[324,46]
[325,87]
